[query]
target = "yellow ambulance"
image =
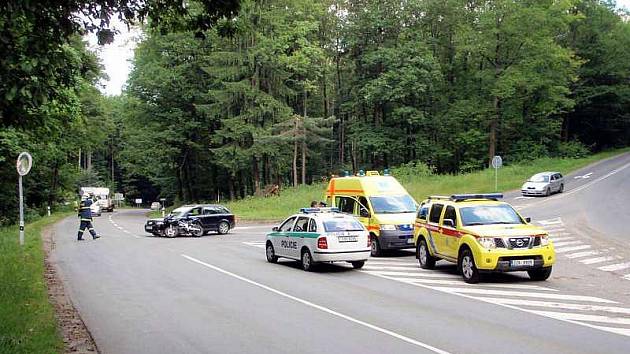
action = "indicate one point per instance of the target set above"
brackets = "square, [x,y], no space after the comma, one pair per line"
[381,203]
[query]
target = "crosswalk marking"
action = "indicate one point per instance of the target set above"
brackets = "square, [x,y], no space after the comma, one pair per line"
[259,244]
[615,267]
[524,294]
[567,243]
[622,331]
[570,249]
[583,317]
[458,282]
[582,254]
[558,305]
[627,276]
[554,239]
[597,260]
[410,274]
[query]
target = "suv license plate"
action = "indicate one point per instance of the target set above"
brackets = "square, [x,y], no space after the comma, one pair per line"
[521,262]
[347,239]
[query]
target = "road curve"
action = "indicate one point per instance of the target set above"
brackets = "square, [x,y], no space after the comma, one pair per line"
[139,293]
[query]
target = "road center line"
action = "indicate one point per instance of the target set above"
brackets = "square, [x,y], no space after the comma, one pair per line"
[319,307]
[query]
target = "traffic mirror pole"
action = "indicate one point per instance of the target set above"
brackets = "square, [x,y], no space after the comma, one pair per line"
[21,211]
[23,166]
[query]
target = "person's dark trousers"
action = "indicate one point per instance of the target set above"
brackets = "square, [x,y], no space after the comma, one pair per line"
[86,223]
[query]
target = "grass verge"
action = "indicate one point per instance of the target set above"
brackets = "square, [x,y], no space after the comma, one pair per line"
[27,318]
[509,178]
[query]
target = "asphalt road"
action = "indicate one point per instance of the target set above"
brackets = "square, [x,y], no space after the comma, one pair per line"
[143,294]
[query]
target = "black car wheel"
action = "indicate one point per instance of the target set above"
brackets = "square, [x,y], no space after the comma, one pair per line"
[223,228]
[171,231]
[196,229]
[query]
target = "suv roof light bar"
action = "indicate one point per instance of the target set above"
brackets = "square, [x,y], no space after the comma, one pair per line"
[318,210]
[439,197]
[487,196]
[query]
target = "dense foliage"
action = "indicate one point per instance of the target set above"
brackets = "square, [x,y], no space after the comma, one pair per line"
[228,98]
[293,90]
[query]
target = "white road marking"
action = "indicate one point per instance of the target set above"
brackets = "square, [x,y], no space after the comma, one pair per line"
[458,282]
[582,254]
[556,221]
[627,276]
[524,294]
[387,274]
[554,239]
[566,243]
[583,317]
[570,249]
[588,175]
[372,262]
[524,197]
[258,244]
[615,267]
[597,260]
[320,307]
[617,330]
[369,267]
[559,305]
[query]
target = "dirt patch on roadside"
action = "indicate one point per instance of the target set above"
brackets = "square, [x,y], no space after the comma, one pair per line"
[76,337]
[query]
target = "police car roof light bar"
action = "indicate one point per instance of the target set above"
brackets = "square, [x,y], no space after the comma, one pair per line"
[488,196]
[319,210]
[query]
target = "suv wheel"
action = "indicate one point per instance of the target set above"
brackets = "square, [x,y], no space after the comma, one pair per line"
[561,188]
[271,253]
[548,192]
[376,248]
[424,257]
[539,274]
[467,265]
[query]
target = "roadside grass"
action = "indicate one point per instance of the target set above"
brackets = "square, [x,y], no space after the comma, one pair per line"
[27,318]
[509,178]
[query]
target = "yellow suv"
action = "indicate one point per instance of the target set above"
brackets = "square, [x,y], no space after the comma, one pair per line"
[480,234]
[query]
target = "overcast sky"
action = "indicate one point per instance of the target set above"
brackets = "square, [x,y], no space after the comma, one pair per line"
[116,57]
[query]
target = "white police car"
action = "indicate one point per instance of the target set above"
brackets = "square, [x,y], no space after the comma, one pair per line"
[319,235]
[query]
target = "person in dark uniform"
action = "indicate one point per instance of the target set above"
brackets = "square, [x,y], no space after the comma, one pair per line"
[85,213]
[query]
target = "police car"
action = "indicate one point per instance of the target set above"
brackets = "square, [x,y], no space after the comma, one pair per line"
[317,235]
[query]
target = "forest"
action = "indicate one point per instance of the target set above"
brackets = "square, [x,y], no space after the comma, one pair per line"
[223,102]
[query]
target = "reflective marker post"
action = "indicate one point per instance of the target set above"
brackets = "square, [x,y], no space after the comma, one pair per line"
[497,162]
[23,165]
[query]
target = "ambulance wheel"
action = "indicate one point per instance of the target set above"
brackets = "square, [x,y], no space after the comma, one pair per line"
[271,253]
[467,265]
[426,260]
[376,248]
[357,264]
[539,274]
[307,261]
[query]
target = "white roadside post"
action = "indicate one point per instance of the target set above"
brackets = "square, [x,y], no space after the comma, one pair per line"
[23,165]
[497,162]
[163,200]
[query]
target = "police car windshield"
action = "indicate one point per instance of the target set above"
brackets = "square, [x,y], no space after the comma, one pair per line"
[539,178]
[392,204]
[345,224]
[489,214]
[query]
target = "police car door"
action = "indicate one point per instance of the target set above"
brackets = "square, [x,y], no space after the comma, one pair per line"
[300,235]
[280,240]
[436,239]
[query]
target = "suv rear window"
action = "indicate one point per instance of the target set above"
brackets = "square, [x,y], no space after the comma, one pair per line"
[436,211]
[344,224]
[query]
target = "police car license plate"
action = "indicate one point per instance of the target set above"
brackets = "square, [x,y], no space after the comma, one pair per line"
[521,262]
[347,238]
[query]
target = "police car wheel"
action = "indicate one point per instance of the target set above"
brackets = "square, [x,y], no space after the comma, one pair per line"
[424,257]
[171,231]
[539,274]
[271,253]
[467,265]
[307,261]
[357,264]
[223,228]
[375,251]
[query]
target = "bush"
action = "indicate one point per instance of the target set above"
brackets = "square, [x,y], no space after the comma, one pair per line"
[572,150]
[413,169]
[526,150]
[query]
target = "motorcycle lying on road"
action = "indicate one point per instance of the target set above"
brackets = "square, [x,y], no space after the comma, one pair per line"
[184,227]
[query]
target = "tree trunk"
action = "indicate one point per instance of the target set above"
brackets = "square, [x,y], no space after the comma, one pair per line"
[492,146]
[53,185]
[295,154]
[231,186]
[303,161]
[256,176]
